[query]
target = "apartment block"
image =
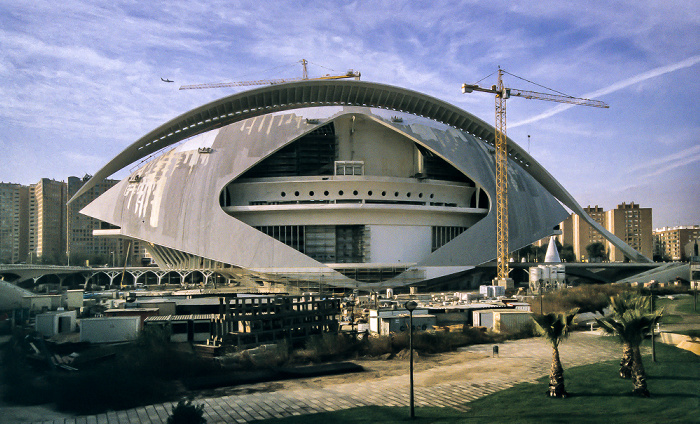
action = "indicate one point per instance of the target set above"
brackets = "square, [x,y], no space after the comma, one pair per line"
[632,224]
[13,223]
[47,220]
[669,242]
[583,234]
[629,222]
[83,246]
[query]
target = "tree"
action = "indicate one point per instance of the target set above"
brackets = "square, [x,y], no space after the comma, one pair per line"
[555,327]
[631,326]
[566,253]
[620,304]
[596,252]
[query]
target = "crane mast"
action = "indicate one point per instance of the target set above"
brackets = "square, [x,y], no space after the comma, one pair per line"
[501,184]
[501,143]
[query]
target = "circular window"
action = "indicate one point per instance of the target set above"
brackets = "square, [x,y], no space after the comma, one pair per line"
[325,193]
[283,194]
[311,193]
[420,194]
[408,194]
[432,195]
[369,193]
[354,192]
[340,192]
[296,193]
[396,194]
[383,193]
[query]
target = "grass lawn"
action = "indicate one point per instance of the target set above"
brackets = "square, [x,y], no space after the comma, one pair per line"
[686,307]
[597,395]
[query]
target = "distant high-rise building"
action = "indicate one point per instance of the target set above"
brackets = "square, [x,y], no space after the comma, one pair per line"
[583,234]
[13,223]
[81,244]
[47,221]
[632,224]
[628,222]
[669,242]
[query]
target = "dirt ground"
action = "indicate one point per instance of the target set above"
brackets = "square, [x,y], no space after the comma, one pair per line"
[374,369]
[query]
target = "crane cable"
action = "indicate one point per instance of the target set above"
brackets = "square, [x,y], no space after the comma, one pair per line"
[539,85]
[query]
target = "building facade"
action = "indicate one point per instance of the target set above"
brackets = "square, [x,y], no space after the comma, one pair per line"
[670,242]
[83,247]
[47,221]
[13,223]
[632,224]
[583,234]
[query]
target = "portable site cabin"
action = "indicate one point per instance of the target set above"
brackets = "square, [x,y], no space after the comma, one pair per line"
[502,320]
[109,329]
[51,323]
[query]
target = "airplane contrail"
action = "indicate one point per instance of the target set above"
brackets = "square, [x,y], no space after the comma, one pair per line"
[615,87]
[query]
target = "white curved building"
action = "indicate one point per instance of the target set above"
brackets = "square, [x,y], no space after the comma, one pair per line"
[345,183]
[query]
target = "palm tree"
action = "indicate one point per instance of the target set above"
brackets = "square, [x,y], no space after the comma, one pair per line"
[631,327]
[620,304]
[555,327]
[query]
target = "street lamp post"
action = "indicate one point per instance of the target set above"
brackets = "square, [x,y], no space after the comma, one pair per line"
[541,303]
[411,306]
[651,305]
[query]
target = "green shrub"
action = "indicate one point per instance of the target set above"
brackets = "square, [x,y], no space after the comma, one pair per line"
[588,298]
[330,346]
[377,345]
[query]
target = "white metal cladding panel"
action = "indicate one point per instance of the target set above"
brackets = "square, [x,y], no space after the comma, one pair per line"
[398,243]
[108,330]
[511,320]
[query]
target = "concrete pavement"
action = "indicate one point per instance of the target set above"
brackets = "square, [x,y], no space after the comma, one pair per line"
[452,386]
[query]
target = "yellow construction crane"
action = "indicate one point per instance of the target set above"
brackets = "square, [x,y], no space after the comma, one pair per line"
[305,76]
[502,94]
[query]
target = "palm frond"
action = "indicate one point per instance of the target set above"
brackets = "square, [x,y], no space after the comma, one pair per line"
[554,326]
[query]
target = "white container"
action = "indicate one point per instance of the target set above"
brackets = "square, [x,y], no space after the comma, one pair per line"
[510,320]
[74,299]
[52,323]
[109,329]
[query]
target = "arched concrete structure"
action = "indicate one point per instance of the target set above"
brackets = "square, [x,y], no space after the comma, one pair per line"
[238,132]
[265,100]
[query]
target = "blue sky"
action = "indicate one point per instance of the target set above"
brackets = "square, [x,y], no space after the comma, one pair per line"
[80,80]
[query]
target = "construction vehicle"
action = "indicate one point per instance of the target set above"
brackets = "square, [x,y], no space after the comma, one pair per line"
[502,94]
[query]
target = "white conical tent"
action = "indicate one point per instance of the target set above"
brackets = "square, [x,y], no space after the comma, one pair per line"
[552,254]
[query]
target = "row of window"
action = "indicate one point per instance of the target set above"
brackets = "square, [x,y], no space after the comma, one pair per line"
[355,193]
[342,243]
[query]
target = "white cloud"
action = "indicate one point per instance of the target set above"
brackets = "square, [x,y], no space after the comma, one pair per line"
[662,165]
[656,72]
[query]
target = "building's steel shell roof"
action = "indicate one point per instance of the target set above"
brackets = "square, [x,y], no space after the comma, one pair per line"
[266,100]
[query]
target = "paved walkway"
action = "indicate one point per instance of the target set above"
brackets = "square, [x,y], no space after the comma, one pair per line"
[442,386]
